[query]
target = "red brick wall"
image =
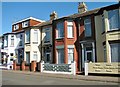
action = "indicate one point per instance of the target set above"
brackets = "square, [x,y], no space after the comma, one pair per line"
[66,41]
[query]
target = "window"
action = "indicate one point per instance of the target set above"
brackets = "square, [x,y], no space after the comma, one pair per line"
[105,60]
[35,36]
[60,56]
[12,40]
[27,57]
[70,31]
[47,36]
[20,43]
[87,23]
[16,26]
[113,17]
[6,41]
[35,56]
[70,55]
[60,30]
[28,36]
[25,24]
[115,52]
[103,24]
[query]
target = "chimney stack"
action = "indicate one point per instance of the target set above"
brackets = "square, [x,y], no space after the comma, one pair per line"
[53,15]
[82,7]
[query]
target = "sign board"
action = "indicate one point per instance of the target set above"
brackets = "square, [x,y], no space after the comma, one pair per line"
[104,68]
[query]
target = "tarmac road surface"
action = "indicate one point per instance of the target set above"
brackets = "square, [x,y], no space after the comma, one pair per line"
[14,78]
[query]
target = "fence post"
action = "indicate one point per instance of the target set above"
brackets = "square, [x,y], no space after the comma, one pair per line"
[86,69]
[73,67]
[41,66]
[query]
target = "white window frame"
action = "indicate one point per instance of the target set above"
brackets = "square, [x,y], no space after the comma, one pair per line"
[6,41]
[12,39]
[35,54]
[70,53]
[88,23]
[60,31]
[70,24]
[118,20]
[26,36]
[25,24]
[21,38]
[58,56]
[35,36]
[16,26]
[47,36]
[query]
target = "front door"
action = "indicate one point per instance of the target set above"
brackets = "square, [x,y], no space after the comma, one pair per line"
[88,56]
[48,57]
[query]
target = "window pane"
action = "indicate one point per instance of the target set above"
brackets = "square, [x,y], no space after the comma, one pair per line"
[60,56]
[87,23]
[113,17]
[35,36]
[70,31]
[115,55]
[47,36]
[27,36]
[27,57]
[70,55]
[60,28]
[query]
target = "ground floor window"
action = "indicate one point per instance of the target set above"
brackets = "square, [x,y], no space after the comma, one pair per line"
[115,52]
[27,57]
[35,55]
[60,56]
[70,55]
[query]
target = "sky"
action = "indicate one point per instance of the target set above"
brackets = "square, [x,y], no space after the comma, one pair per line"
[15,11]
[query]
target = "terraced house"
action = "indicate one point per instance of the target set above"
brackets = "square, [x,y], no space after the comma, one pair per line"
[68,43]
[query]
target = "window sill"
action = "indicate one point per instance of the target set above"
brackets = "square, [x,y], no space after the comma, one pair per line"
[113,30]
[59,38]
[35,42]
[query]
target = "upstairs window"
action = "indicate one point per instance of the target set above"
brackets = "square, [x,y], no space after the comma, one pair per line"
[47,36]
[12,40]
[21,37]
[87,24]
[60,30]
[16,27]
[69,29]
[35,36]
[27,36]
[6,41]
[103,24]
[25,24]
[113,17]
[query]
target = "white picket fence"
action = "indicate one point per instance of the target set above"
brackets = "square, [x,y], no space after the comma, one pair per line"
[59,68]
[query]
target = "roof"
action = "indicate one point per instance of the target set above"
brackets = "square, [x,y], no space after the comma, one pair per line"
[28,19]
[44,23]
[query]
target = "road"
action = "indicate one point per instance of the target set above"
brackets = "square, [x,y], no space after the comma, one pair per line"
[13,78]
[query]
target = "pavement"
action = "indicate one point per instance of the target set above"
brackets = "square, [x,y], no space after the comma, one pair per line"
[76,77]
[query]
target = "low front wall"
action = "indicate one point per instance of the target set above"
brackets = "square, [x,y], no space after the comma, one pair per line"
[103,68]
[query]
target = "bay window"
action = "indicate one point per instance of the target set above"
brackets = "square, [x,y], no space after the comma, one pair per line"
[87,23]
[27,36]
[47,36]
[69,29]
[20,43]
[12,40]
[35,56]
[60,56]
[115,52]
[27,57]
[70,55]
[60,30]
[6,41]
[113,17]
[35,36]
